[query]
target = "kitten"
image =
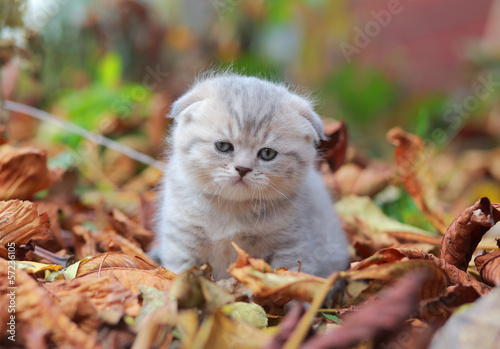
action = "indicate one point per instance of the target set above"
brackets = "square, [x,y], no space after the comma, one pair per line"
[241,169]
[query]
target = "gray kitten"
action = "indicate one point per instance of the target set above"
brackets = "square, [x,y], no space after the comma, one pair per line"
[241,169]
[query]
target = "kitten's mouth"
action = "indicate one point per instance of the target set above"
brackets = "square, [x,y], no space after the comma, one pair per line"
[240,182]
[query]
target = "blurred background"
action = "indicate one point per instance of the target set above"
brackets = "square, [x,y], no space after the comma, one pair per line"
[113,67]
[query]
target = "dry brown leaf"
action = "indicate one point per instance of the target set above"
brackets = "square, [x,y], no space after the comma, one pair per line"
[268,285]
[435,285]
[442,308]
[375,320]
[110,241]
[153,329]
[466,231]
[24,172]
[159,278]
[105,293]
[219,331]
[412,163]
[333,150]
[454,275]
[110,260]
[54,210]
[85,242]
[130,229]
[352,179]
[36,309]
[488,266]
[20,223]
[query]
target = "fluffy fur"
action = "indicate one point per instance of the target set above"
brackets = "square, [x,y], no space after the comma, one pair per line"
[279,210]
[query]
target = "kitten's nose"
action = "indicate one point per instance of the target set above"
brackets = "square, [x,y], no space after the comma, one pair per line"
[242,170]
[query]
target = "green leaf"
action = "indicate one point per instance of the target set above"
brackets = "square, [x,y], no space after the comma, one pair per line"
[334,318]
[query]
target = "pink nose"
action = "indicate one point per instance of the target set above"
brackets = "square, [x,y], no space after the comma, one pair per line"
[242,170]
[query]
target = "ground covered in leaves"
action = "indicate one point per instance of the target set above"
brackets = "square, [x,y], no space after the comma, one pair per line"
[74,271]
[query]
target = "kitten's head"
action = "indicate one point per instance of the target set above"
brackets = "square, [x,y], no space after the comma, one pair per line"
[241,138]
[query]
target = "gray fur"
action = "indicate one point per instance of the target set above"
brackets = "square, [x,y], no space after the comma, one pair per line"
[280,211]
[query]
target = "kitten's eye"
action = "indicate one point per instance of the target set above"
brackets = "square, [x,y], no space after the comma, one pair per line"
[224,146]
[267,154]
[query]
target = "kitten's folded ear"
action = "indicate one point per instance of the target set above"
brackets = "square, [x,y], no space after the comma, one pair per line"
[185,101]
[305,109]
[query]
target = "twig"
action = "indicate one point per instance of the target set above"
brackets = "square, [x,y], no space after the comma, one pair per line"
[91,136]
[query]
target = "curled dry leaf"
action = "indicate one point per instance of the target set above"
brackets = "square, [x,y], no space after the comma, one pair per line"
[435,285]
[352,179]
[477,326]
[466,231]
[193,288]
[488,266]
[160,278]
[152,329]
[105,293]
[275,286]
[373,228]
[112,259]
[84,242]
[441,308]
[334,148]
[412,163]
[24,172]
[20,223]
[454,275]
[36,309]
[219,331]
[130,229]
[110,241]
[378,319]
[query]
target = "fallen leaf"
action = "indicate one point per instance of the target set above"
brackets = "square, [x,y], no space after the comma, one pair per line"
[441,308]
[475,326]
[250,313]
[24,172]
[435,285]
[352,179]
[85,243]
[112,259]
[454,275]
[465,232]
[218,331]
[488,266]
[155,329]
[375,320]
[131,278]
[193,288]
[152,300]
[333,149]
[110,297]
[130,229]
[365,210]
[287,326]
[20,222]
[110,241]
[36,309]
[34,267]
[412,163]
[268,285]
